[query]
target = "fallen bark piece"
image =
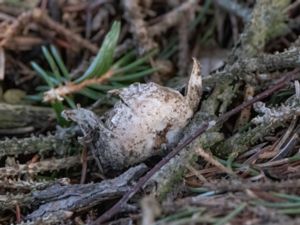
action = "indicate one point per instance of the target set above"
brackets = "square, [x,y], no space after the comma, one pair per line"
[51,219]
[15,116]
[79,197]
[9,201]
[148,118]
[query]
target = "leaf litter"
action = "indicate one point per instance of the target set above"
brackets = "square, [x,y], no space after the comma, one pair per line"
[243,169]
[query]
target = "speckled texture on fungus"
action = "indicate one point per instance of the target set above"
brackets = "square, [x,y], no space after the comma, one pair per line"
[147,118]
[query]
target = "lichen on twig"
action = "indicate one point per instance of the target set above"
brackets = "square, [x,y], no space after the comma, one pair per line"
[38,144]
[266,123]
[39,167]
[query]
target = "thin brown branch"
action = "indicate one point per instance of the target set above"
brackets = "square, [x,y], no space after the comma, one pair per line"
[41,17]
[18,213]
[207,156]
[171,18]
[14,27]
[138,27]
[61,198]
[69,88]
[84,160]
[122,202]
[2,63]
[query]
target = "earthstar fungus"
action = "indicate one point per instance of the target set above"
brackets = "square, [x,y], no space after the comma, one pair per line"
[147,118]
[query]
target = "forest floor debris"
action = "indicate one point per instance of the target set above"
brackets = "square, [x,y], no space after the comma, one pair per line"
[235,162]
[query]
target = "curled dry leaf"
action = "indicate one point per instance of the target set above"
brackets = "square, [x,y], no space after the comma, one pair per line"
[147,118]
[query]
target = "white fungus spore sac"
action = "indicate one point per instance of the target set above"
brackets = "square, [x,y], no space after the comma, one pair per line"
[147,118]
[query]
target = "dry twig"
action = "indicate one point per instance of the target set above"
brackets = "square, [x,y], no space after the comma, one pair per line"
[209,158]
[138,26]
[171,18]
[69,88]
[40,17]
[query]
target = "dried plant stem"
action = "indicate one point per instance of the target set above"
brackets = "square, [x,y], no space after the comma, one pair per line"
[171,18]
[138,26]
[69,88]
[41,17]
[209,158]
[245,115]
[183,54]
[84,161]
[17,24]
[2,63]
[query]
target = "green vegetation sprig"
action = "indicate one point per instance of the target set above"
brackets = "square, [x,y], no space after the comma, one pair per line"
[102,75]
